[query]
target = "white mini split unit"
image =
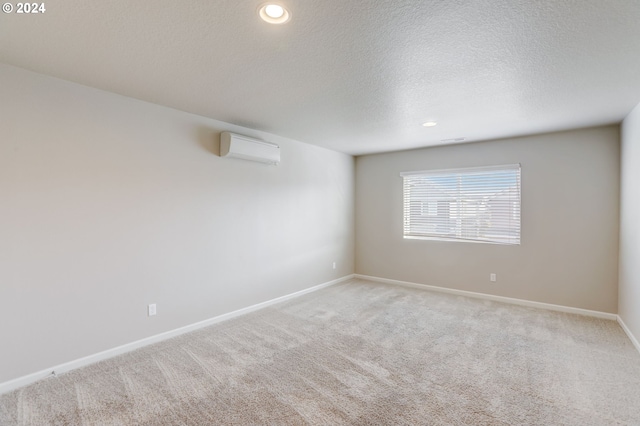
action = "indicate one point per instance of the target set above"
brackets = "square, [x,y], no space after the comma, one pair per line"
[246,148]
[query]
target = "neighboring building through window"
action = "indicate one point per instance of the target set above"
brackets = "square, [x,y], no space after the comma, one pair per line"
[479,204]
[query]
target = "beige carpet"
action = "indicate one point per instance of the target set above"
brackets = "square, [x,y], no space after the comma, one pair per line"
[359,353]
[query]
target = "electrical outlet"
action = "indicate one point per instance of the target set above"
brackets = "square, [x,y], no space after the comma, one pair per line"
[492,278]
[334,265]
[152,309]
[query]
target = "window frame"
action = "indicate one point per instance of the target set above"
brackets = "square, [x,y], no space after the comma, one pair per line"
[512,234]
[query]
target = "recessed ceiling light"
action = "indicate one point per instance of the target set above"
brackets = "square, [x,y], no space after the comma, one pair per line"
[274,13]
[429,123]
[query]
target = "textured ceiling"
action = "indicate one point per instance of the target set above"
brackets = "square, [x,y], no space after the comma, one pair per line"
[354,76]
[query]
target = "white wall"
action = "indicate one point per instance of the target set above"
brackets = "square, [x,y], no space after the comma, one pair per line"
[570,207]
[629,287]
[108,203]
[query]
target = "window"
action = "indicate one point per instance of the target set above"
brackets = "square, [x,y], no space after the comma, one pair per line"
[476,204]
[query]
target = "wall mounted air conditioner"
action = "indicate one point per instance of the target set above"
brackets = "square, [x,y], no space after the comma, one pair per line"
[246,148]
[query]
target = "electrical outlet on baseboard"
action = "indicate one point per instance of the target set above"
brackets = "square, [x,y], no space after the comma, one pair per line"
[492,277]
[152,309]
[334,265]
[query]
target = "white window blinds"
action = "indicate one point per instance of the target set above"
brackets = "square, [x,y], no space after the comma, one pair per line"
[475,204]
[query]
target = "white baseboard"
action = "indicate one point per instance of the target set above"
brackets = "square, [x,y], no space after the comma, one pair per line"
[522,302]
[110,353]
[629,333]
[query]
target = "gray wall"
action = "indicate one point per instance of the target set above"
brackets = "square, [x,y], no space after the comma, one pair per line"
[629,287]
[108,204]
[570,209]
